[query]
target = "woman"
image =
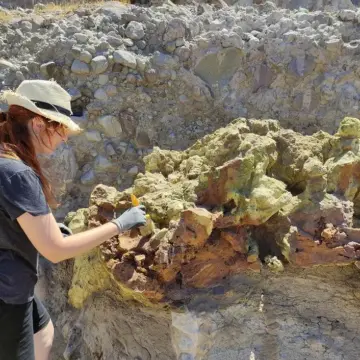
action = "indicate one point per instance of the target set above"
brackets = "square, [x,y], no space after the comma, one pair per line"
[37,122]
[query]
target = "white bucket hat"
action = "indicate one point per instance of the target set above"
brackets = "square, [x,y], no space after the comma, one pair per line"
[46,98]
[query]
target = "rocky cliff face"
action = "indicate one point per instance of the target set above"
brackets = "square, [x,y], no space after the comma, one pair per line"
[248,202]
[253,239]
[167,75]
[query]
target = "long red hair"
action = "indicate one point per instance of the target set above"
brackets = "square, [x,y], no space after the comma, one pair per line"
[15,142]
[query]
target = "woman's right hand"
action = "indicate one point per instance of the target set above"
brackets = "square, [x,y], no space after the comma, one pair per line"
[131,218]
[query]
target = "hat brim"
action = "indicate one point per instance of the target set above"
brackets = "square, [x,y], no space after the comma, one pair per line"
[13,98]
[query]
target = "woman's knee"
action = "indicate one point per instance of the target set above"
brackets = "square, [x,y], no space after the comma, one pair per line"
[43,342]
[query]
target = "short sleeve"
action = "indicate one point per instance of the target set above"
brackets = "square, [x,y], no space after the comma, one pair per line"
[22,193]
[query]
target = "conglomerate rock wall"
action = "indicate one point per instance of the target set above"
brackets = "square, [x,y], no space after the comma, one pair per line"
[166,75]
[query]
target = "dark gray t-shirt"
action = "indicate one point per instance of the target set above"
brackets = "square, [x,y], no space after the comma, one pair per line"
[20,192]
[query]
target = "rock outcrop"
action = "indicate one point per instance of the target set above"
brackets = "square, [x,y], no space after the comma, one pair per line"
[248,218]
[247,196]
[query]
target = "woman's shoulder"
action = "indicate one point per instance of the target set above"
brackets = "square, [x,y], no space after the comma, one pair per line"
[10,167]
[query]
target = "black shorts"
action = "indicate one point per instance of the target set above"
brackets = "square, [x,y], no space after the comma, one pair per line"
[18,324]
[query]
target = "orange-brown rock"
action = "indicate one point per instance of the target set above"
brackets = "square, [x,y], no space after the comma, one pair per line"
[194,228]
[123,270]
[129,243]
[237,238]
[309,253]
[207,265]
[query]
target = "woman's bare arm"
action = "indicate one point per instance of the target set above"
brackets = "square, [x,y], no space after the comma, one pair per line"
[45,235]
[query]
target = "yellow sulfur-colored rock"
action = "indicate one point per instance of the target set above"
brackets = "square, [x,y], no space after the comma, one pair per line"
[79,221]
[89,276]
[349,128]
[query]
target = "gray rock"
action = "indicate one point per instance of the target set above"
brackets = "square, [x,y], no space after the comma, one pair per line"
[183,53]
[37,21]
[347,15]
[57,30]
[135,30]
[114,40]
[103,79]
[85,56]
[264,76]
[4,64]
[86,167]
[128,124]
[19,75]
[179,42]
[93,135]
[128,42]
[131,79]
[110,90]
[80,68]
[140,63]
[114,11]
[81,38]
[76,51]
[141,44]
[170,46]
[302,66]
[110,150]
[175,29]
[26,26]
[93,152]
[71,29]
[82,12]
[74,93]
[133,170]
[186,356]
[103,46]
[103,164]
[126,18]
[232,40]
[82,120]
[219,68]
[101,94]
[125,58]
[161,60]
[122,147]
[110,125]
[99,64]
[60,168]
[333,44]
[88,178]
